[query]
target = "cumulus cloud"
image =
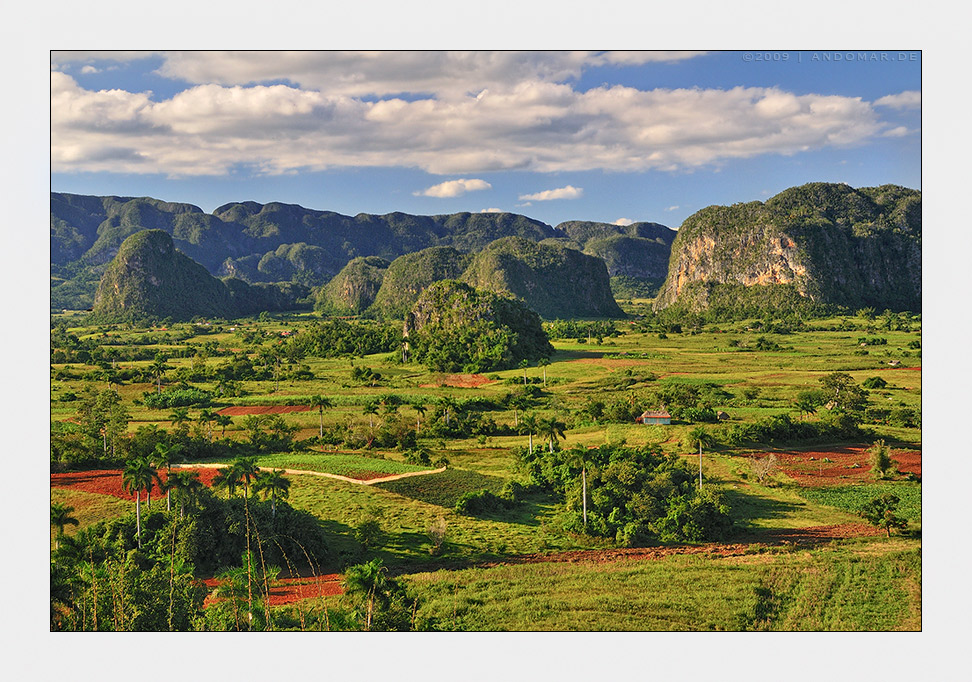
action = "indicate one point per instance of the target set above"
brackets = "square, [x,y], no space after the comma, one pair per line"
[909,99]
[492,210]
[623,221]
[453,188]
[672,208]
[87,68]
[568,192]
[523,120]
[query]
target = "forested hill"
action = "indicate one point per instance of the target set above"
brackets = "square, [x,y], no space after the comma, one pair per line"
[268,241]
[254,242]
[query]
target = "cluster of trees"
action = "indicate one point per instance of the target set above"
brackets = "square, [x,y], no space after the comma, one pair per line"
[633,495]
[101,437]
[456,328]
[138,572]
[580,329]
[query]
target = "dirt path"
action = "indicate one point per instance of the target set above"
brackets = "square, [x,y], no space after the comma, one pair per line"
[303,472]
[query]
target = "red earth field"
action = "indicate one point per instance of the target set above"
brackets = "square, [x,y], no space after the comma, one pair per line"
[808,468]
[109,482]
[290,590]
[459,381]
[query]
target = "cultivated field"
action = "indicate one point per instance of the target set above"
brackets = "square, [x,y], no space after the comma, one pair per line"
[800,556]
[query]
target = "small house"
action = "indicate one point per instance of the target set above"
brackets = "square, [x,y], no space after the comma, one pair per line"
[654,417]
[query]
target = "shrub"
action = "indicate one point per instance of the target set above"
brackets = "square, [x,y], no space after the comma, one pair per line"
[874,382]
[480,502]
[182,397]
[879,455]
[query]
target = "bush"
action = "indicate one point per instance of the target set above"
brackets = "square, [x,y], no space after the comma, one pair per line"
[482,502]
[183,397]
[874,382]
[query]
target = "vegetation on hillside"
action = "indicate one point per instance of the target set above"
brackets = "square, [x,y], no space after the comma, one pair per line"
[454,327]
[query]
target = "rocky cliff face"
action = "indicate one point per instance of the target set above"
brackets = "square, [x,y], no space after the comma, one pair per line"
[829,243]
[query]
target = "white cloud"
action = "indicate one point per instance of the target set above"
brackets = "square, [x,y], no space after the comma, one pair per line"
[672,208]
[899,131]
[909,99]
[522,121]
[87,68]
[568,192]
[492,210]
[453,188]
[623,221]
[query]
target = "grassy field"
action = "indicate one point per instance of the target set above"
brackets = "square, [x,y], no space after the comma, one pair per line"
[351,465]
[858,586]
[855,584]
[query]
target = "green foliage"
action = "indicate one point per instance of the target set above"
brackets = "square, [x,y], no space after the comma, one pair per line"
[409,275]
[340,338]
[879,455]
[781,429]
[181,397]
[483,503]
[443,489]
[880,512]
[635,495]
[553,280]
[353,289]
[454,327]
[852,498]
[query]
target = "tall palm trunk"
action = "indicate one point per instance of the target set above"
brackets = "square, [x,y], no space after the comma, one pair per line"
[138,517]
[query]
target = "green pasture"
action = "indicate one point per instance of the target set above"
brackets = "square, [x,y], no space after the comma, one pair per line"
[861,585]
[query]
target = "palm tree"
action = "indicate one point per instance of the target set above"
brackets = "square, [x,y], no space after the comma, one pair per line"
[553,429]
[531,425]
[227,477]
[206,416]
[447,405]
[580,456]
[223,420]
[699,436]
[516,402]
[543,362]
[419,414]
[60,517]
[136,477]
[158,368]
[321,403]
[367,583]
[247,469]
[523,365]
[371,409]
[166,456]
[179,416]
[272,484]
[187,487]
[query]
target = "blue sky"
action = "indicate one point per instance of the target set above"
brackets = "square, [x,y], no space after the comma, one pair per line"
[614,137]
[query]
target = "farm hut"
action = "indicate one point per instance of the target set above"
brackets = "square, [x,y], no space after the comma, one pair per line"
[722,416]
[656,417]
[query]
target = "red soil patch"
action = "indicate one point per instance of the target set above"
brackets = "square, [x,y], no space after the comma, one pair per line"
[808,468]
[239,410]
[459,381]
[109,482]
[815,534]
[913,369]
[290,590]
